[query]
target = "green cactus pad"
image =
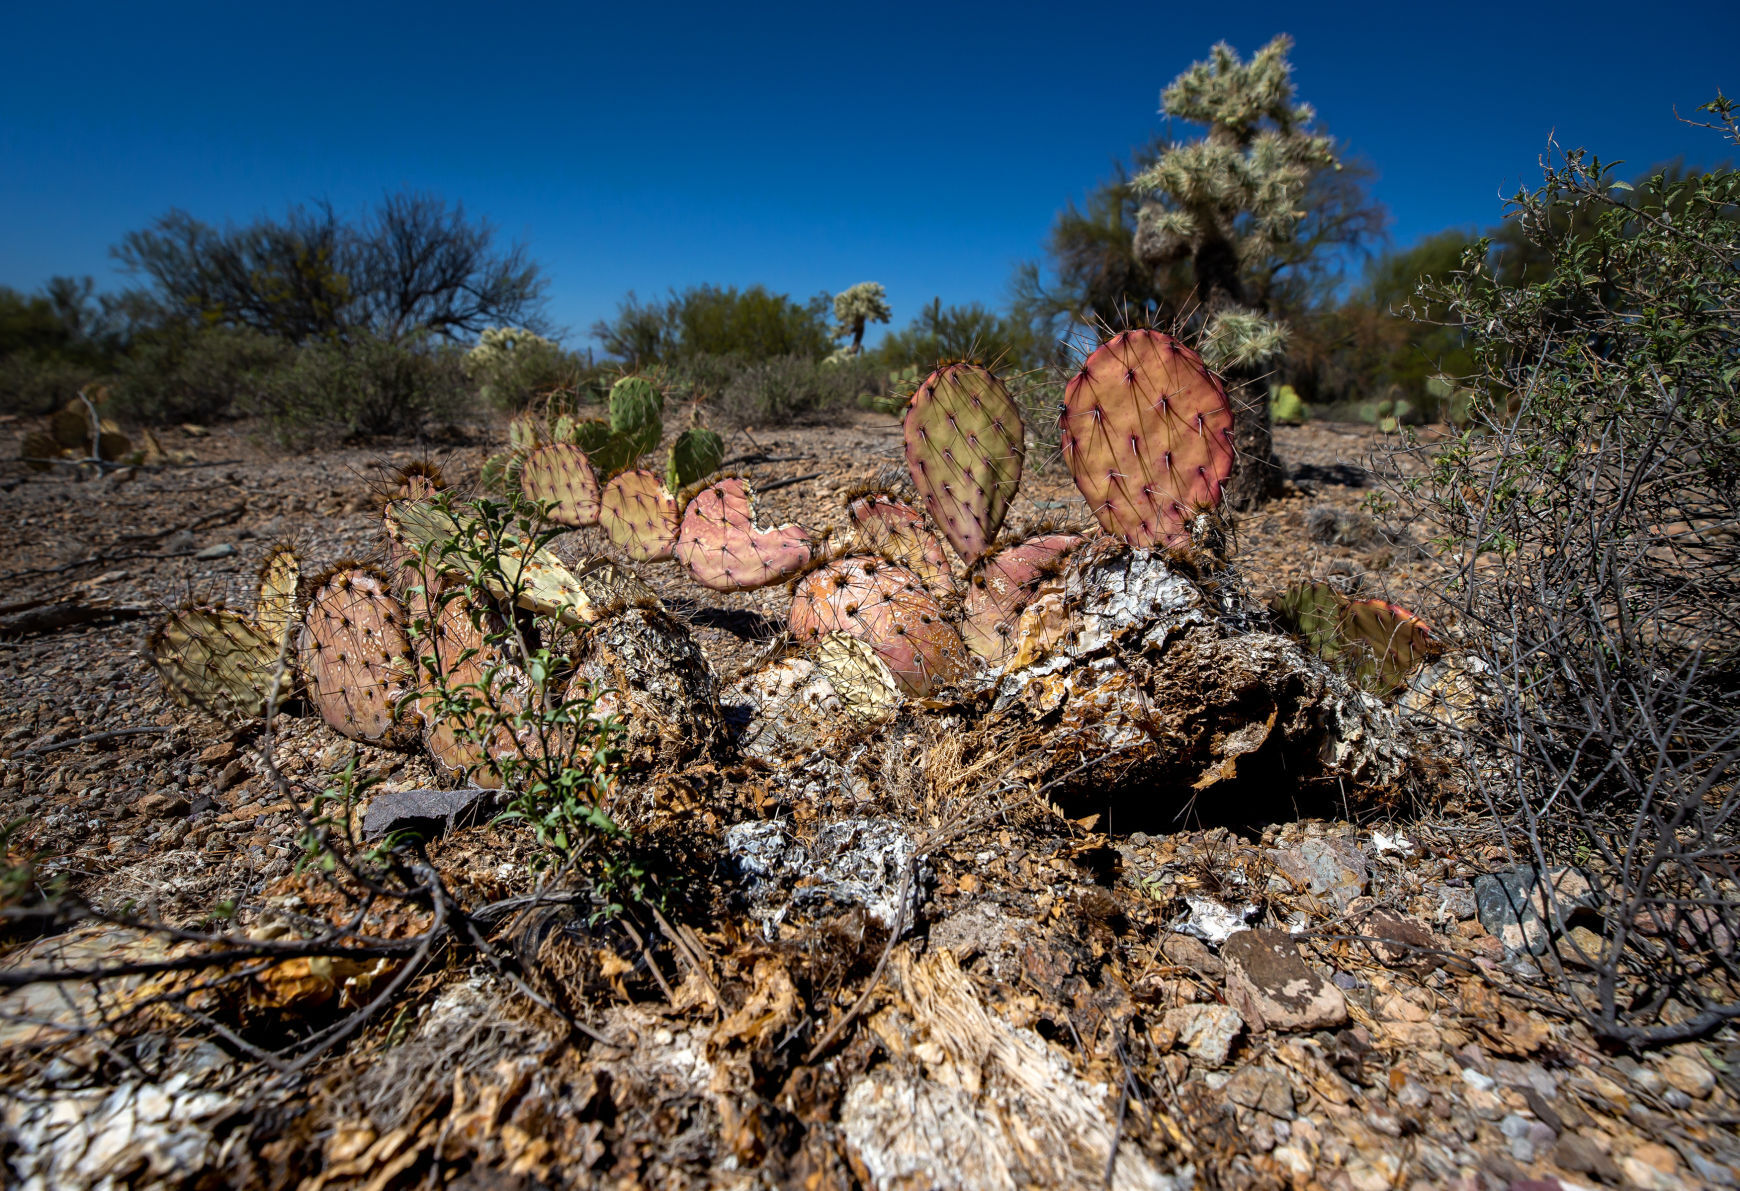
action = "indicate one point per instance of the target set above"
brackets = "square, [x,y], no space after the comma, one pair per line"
[695,455]
[560,477]
[725,550]
[1378,644]
[215,660]
[886,607]
[964,448]
[1147,434]
[640,516]
[355,655]
[635,405]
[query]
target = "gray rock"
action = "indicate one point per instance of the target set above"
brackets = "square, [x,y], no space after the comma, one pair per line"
[1516,907]
[1332,867]
[854,862]
[1206,1031]
[1263,1089]
[1579,1155]
[987,929]
[425,812]
[221,550]
[1272,986]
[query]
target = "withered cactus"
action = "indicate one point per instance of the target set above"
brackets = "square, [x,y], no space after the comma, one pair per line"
[888,608]
[355,655]
[1003,585]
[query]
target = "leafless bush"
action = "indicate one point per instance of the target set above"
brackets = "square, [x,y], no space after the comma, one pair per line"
[1587,522]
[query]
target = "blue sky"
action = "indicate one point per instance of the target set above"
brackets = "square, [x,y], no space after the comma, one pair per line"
[644,146]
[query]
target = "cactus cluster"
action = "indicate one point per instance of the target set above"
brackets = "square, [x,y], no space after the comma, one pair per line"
[542,451]
[1378,644]
[78,431]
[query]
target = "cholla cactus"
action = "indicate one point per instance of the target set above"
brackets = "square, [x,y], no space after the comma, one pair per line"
[886,607]
[855,309]
[1228,203]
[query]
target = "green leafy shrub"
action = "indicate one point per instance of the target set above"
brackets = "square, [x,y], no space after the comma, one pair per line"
[187,374]
[370,386]
[512,367]
[790,388]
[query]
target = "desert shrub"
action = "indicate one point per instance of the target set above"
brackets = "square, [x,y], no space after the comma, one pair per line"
[34,386]
[184,374]
[1587,518]
[370,386]
[944,333]
[787,388]
[752,324]
[512,367]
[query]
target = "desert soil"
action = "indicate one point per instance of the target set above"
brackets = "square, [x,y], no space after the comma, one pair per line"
[1049,944]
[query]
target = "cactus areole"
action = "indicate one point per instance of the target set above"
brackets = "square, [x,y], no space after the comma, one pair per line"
[964,448]
[1147,434]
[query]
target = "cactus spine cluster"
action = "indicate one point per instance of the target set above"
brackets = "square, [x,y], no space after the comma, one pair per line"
[725,550]
[1147,435]
[641,517]
[887,608]
[355,655]
[964,447]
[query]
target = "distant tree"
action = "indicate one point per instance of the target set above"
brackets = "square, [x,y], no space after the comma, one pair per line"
[414,267]
[855,308]
[1233,206]
[942,333]
[752,324]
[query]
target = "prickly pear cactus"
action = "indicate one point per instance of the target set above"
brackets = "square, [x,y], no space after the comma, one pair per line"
[529,575]
[416,481]
[1387,642]
[896,531]
[886,607]
[1147,434]
[635,404]
[455,652]
[355,655]
[275,607]
[1377,644]
[38,448]
[964,448]
[1002,587]
[640,516]
[525,432]
[695,455]
[215,660]
[560,476]
[862,680]
[725,550]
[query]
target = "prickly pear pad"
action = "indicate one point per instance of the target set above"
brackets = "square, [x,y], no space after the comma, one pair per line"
[1147,434]
[560,475]
[640,516]
[355,656]
[725,550]
[1002,587]
[886,607]
[275,599]
[964,448]
[896,531]
[215,660]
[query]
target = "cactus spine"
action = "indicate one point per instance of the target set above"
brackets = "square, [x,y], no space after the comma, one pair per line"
[897,532]
[1147,434]
[964,448]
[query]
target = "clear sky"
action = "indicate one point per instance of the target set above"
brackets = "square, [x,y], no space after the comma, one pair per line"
[648,145]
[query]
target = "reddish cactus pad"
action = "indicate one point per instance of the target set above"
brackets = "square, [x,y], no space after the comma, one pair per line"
[1147,434]
[964,448]
[561,476]
[355,656]
[725,550]
[1003,586]
[886,607]
[896,531]
[640,516]
[456,648]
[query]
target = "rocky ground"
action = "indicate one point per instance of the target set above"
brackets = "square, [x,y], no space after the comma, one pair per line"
[1330,996]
